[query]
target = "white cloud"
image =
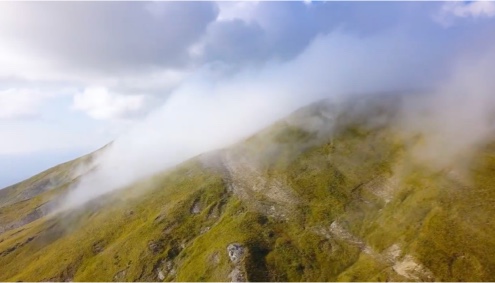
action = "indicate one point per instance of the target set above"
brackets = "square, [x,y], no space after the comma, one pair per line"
[16,61]
[21,103]
[210,111]
[101,104]
[119,37]
[452,10]
[473,9]
[244,10]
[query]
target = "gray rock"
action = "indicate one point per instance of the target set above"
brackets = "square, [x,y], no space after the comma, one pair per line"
[155,247]
[236,275]
[120,276]
[98,247]
[161,276]
[235,251]
[164,269]
[196,208]
[204,230]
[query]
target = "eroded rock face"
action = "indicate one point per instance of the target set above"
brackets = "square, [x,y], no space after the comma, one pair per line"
[155,247]
[236,275]
[120,276]
[204,230]
[164,269]
[196,207]
[161,276]
[98,247]
[37,213]
[215,258]
[410,268]
[235,251]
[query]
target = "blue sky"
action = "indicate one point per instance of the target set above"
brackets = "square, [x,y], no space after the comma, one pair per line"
[77,75]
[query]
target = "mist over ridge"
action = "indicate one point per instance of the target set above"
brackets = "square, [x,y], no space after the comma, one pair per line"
[214,108]
[252,141]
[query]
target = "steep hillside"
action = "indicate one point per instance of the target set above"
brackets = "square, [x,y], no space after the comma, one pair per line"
[332,193]
[35,197]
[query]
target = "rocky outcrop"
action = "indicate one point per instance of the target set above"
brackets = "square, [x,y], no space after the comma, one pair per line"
[120,275]
[236,253]
[165,269]
[196,207]
[237,275]
[406,265]
[98,247]
[155,247]
[37,213]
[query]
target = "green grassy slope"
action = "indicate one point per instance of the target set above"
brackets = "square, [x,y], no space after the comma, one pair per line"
[341,203]
[35,197]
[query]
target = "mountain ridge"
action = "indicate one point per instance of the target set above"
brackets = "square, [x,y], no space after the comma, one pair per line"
[331,193]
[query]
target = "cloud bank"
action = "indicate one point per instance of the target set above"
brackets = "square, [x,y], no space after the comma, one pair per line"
[178,79]
[457,9]
[214,108]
